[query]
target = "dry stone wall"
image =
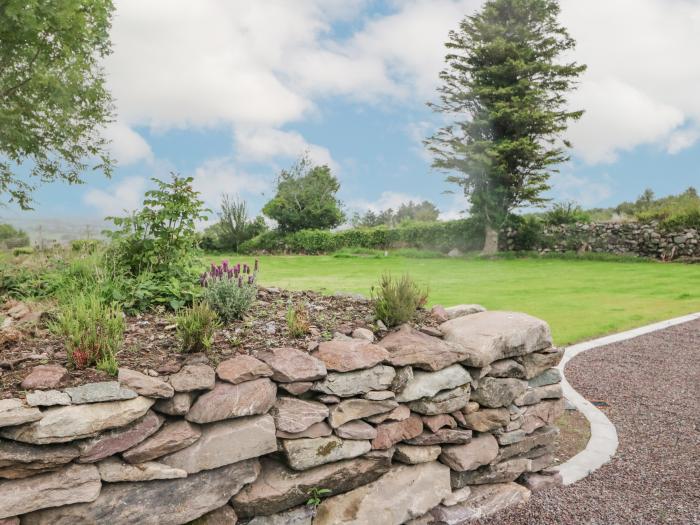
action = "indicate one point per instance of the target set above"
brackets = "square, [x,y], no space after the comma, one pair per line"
[442,427]
[642,239]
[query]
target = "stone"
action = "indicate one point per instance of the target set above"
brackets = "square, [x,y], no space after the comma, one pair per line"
[508,438]
[486,337]
[226,442]
[299,516]
[296,415]
[119,439]
[427,384]
[409,346]
[224,515]
[328,399]
[541,414]
[360,382]
[415,454]
[356,429]
[388,434]
[279,488]
[537,481]
[460,310]
[429,330]
[347,356]
[193,377]
[403,493]
[507,368]
[44,377]
[498,392]
[321,429]
[297,388]
[144,385]
[62,424]
[289,365]
[443,403]
[537,394]
[435,423]
[160,502]
[470,407]
[302,454]
[483,501]
[459,417]
[401,379]
[71,484]
[363,333]
[350,409]
[178,405]
[228,401]
[539,438]
[47,398]
[542,462]
[99,393]
[439,313]
[14,412]
[503,472]
[457,496]
[548,377]
[9,521]
[537,362]
[242,368]
[400,413]
[114,470]
[379,395]
[481,450]
[175,435]
[442,436]
[19,460]
[487,419]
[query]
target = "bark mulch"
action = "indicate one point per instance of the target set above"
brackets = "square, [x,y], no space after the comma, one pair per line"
[652,386]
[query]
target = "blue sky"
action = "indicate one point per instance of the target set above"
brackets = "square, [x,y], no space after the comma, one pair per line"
[230,92]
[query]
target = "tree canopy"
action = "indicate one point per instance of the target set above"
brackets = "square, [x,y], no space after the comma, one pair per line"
[424,211]
[505,86]
[53,99]
[305,199]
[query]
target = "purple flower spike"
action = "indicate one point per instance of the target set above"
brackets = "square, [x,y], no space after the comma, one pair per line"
[250,279]
[224,264]
[240,282]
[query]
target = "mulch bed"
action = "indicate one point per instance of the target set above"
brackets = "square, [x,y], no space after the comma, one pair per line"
[150,342]
[651,385]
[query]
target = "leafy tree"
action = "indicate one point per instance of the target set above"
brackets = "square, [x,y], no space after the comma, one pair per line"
[234,226]
[305,199]
[53,99]
[566,213]
[505,84]
[424,211]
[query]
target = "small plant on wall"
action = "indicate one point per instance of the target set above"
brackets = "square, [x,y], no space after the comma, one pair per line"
[196,326]
[230,290]
[396,299]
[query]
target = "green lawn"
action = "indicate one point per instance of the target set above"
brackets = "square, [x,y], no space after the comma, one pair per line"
[580,299]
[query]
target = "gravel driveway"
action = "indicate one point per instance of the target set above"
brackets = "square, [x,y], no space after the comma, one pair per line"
[652,384]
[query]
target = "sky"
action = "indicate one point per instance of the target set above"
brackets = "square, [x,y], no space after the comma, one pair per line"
[230,92]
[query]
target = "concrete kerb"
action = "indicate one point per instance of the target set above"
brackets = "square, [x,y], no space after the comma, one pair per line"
[603,442]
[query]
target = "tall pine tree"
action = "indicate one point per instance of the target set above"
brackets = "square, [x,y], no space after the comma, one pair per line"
[505,86]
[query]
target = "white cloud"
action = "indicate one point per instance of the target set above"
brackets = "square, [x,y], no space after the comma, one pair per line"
[218,176]
[388,199]
[264,144]
[118,199]
[682,139]
[582,190]
[127,146]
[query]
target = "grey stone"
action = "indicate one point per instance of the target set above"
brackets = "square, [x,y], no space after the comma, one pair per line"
[19,460]
[508,438]
[178,405]
[481,450]
[507,368]
[227,401]
[427,384]
[290,365]
[460,310]
[537,394]
[99,392]
[350,355]
[350,409]
[503,472]
[224,515]
[540,437]
[414,454]
[457,496]
[321,429]
[400,413]
[113,470]
[175,435]
[47,398]
[144,385]
[363,333]
[538,362]
[442,436]
[408,346]
[379,395]
[296,415]
[483,501]
[487,419]
[242,368]
[298,516]
[303,454]
[14,412]
[443,403]
[193,377]
[495,392]
[548,377]
[401,379]
[356,429]
[351,384]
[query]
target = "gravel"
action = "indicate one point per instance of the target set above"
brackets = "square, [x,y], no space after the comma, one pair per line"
[652,384]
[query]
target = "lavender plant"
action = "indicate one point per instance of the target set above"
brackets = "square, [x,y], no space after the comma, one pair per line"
[230,290]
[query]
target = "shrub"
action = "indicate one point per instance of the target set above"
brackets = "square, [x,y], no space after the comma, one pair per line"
[93,331]
[565,213]
[529,232]
[230,290]
[297,321]
[196,326]
[23,250]
[85,245]
[397,299]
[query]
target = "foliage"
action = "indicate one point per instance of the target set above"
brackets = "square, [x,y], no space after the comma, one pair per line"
[12,237]
[565,213]
[675,212]
[230,290]
[24,250]
[85,245]
[305,198]
[424,211]
[93,331]
[196,326]
[157,245]
[53,99]
[297,320]
[234,226]
[397,299]
[316,495]
[506,83]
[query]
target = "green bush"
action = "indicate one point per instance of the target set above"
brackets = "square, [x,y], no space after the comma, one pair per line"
[85,245]
[529,232]
[297,321]
[196,326]
[24,250]
[397,299]
[565,213]
[93,331]
[230,291]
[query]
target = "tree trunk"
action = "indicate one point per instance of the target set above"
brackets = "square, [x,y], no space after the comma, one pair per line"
[490,241]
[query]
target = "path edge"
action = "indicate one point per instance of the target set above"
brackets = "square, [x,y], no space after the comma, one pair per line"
[603,442]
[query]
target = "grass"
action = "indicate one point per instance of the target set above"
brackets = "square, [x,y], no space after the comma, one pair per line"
[581,299]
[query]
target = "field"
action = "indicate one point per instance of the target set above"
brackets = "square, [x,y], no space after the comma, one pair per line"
[581,299]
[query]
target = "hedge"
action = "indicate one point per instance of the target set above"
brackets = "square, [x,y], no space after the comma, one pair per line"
[465,235]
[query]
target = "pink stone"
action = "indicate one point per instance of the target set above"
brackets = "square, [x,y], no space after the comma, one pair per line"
[45,377]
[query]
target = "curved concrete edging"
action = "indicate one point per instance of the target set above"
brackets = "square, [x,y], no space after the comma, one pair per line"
[603,442]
